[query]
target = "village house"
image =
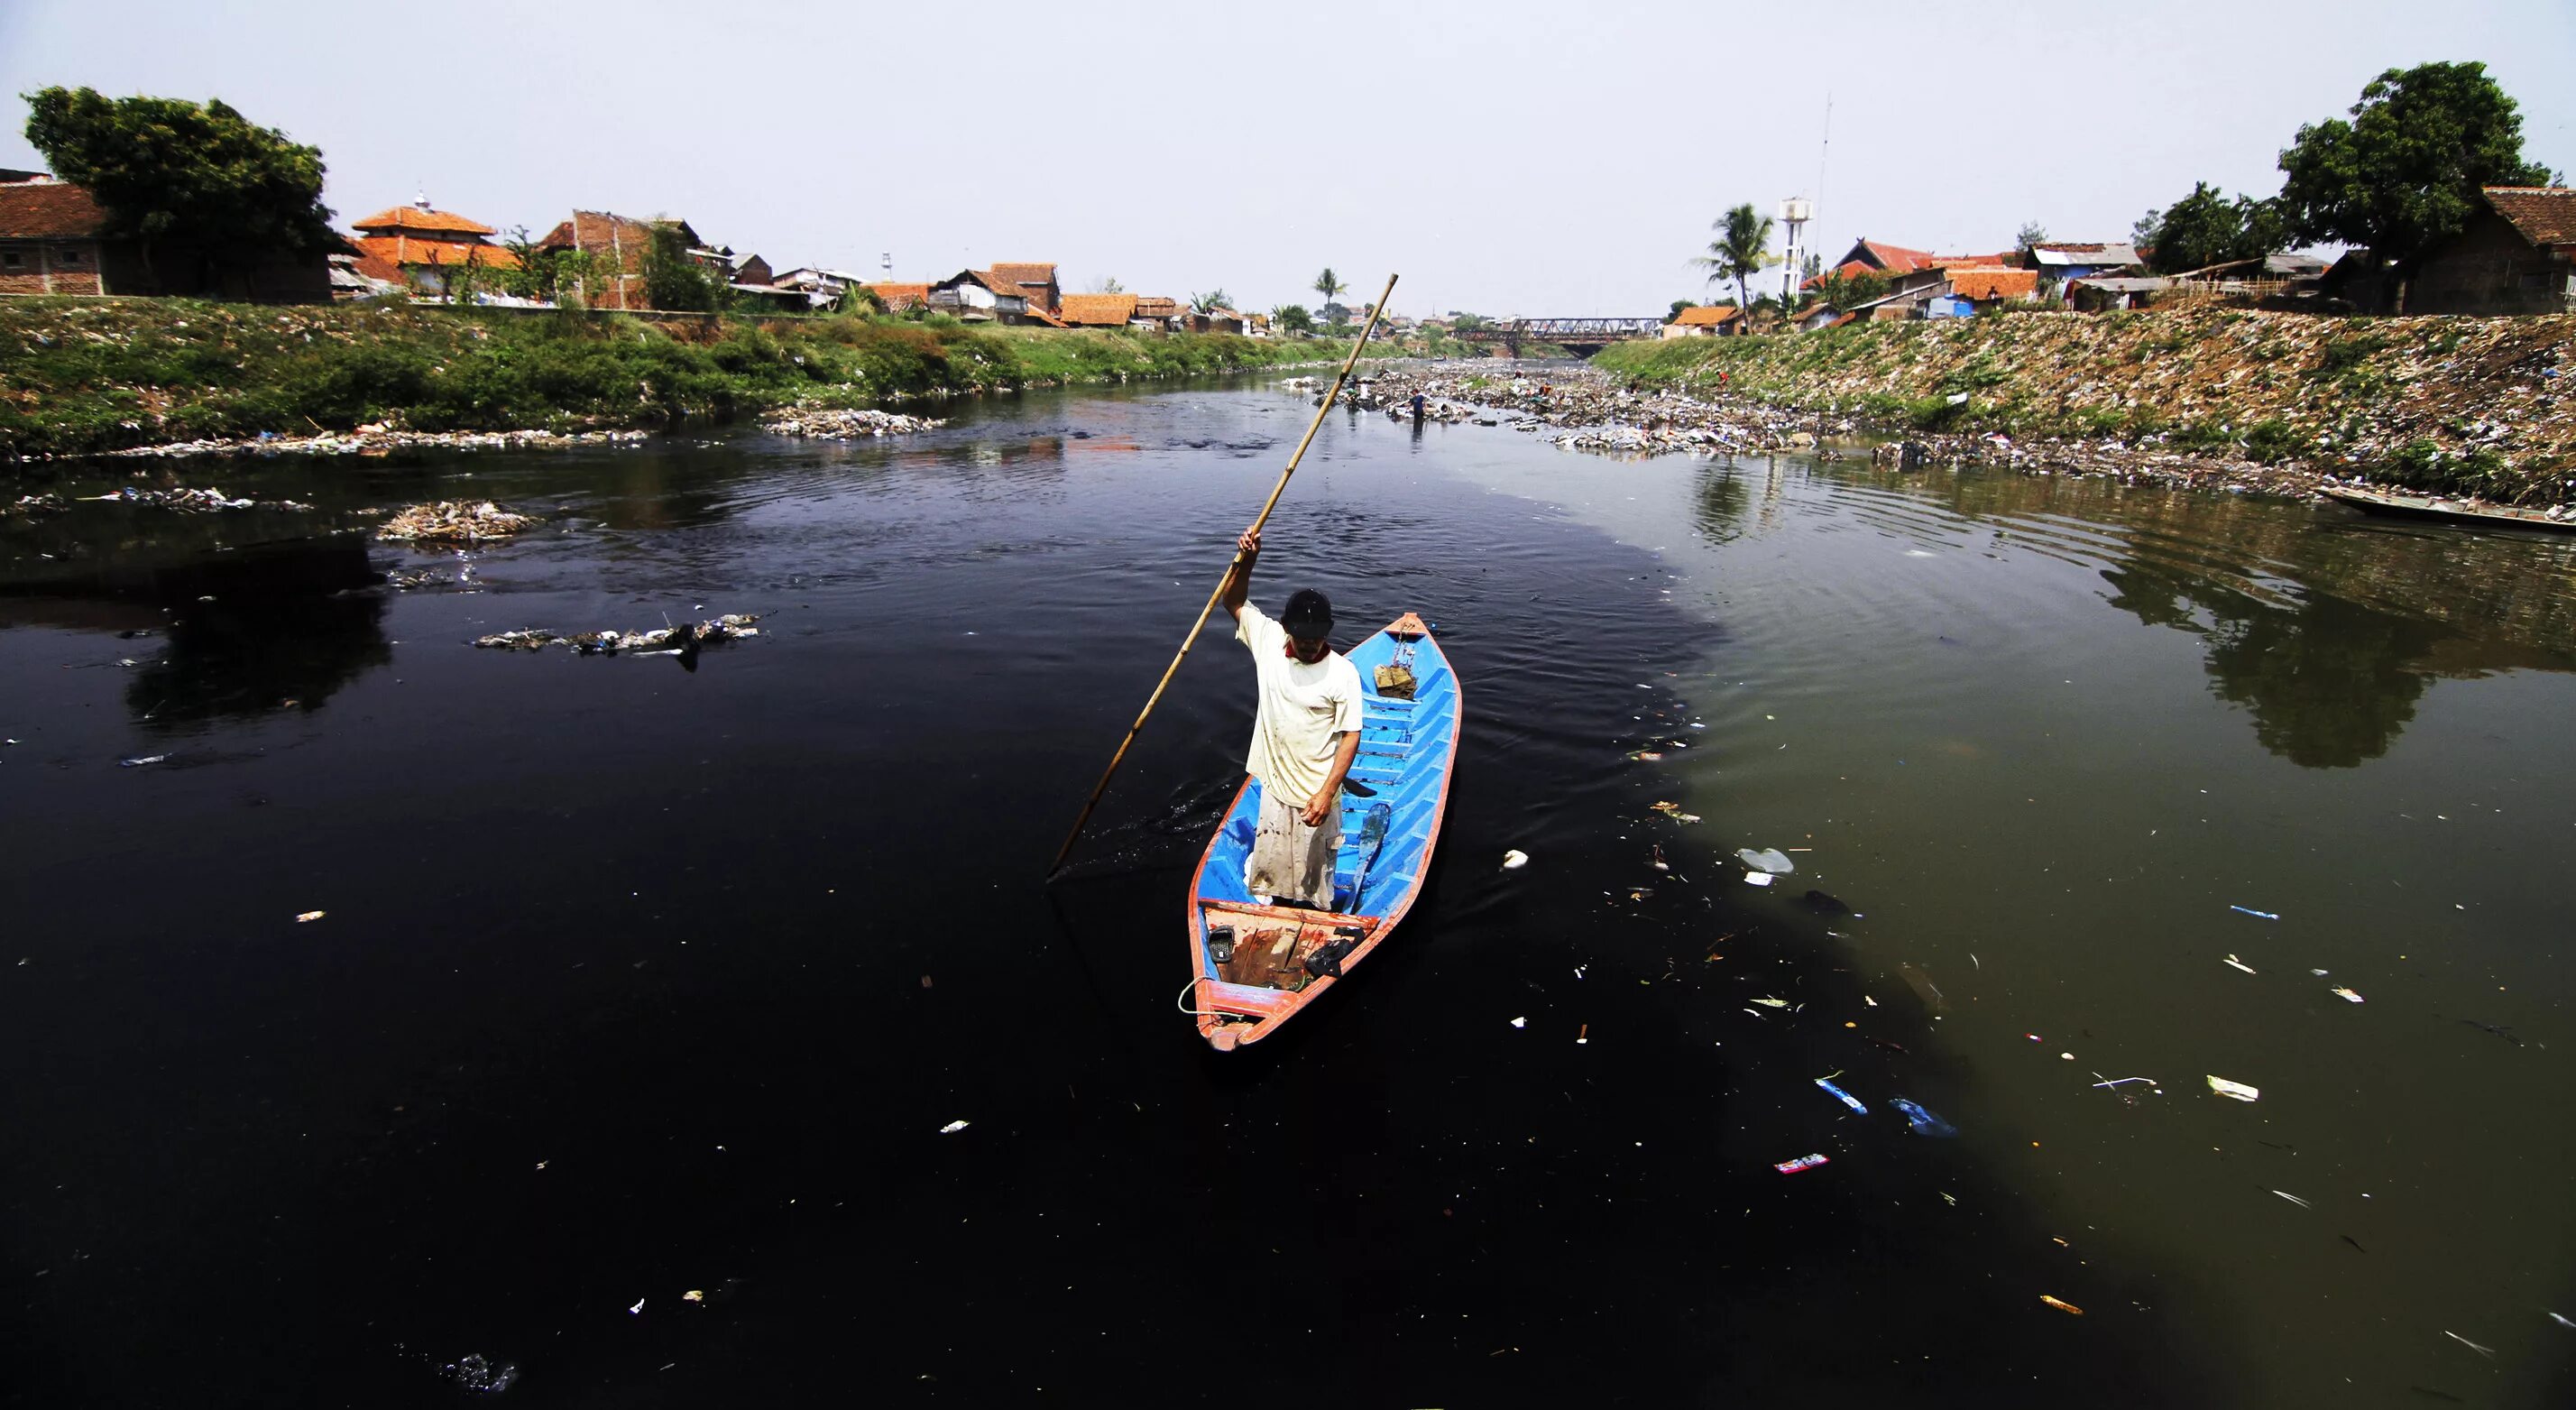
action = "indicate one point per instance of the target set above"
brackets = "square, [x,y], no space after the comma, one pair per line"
[1160,314]
[53,240]
[1099,310]
[620,244]
[1705,321]
[979,296]
[1216,320]
[2514,256]
[1971,288]
[1035,284]
[2062,263]
[899,297]
[1820,318]
[822,288]
[424,249]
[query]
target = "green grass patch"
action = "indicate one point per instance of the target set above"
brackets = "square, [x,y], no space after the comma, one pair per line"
[86,375]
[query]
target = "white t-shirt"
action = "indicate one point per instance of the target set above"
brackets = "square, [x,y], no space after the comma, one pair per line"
[1304,710]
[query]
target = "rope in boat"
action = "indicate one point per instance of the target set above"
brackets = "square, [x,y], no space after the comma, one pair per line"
[1196,1013]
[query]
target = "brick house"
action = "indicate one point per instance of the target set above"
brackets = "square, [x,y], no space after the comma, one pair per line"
[423,249]
[53,240]
[2512,257]
[49,241]
[621,241]
[1035,283]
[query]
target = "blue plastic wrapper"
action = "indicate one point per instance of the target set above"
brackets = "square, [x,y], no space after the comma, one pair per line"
[1921,1122]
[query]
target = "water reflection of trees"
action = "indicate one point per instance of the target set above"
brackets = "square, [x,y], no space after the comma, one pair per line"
[2332,664]
[1719,501]
[284,626]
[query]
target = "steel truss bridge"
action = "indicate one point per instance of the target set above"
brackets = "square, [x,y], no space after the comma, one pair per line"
[1582,335]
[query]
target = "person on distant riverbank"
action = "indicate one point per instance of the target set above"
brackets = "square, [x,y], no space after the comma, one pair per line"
[1305,734]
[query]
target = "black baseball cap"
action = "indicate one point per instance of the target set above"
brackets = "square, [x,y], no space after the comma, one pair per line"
[1309,614]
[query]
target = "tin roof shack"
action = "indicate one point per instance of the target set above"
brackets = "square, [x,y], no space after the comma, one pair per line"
[1099,310]
[54,240]
[621,244]
[1707,321]
[2103,293]
[1820,318]
[2060,263]
[1910,297]
[424,249]
[2512,257]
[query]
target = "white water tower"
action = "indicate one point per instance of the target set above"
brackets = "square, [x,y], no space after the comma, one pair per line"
[1795,212]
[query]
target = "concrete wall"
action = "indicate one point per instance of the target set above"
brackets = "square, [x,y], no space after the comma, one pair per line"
[2491,269]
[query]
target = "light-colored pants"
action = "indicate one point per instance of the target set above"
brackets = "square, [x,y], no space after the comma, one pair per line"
[1291,861]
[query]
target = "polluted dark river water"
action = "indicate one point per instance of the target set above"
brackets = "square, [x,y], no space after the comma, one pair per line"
[624,1061]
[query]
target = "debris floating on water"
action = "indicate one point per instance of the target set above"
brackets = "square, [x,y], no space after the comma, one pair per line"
[1804,1162]
[2486,1351]
[1842,1096]
[2238,1090]
[2062,1306]
[306,917]
[2294,1199]
[1920,1121]
[2260,915]
[831,424]
[1757,878]
[2346,995]
[2235,963]
[140,760]
[687,636]
[1769,859]
[1515,859]
[453,521]
[952,1128]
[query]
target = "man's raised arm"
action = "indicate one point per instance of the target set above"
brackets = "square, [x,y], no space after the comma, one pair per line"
[1238,579]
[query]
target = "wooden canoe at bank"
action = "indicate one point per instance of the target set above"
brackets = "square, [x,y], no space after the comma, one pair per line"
[1280,959]
[2453,511]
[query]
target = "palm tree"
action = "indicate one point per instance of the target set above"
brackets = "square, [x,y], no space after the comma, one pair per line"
[1211,301]
[1329,284]
[1740,251]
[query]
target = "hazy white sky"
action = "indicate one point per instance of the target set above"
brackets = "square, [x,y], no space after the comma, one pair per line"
[1506,157]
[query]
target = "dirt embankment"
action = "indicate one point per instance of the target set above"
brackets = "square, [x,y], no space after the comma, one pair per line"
[2470,406]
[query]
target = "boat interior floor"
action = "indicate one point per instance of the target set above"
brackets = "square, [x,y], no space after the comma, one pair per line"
[1271,943]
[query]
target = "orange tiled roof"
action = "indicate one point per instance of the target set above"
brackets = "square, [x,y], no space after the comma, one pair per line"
[2001,261]
[1036,314]
[1025,273]
[415,251]
[1097,310]
[48,210]
[2544,215]
[1705,316]
[1151,306]
[415,218]
[1896,259]
[1985,284]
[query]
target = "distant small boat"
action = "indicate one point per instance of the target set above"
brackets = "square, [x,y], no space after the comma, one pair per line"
[2455,511]
[1278,959]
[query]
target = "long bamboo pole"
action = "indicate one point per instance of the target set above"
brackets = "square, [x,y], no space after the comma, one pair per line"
[1375,312]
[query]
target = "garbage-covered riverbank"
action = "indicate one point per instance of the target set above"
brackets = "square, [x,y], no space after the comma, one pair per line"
[2469,406]
[180,376]
[1590,409]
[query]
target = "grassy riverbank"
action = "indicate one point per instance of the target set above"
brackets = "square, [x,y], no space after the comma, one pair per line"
[2464,405]
[85,375]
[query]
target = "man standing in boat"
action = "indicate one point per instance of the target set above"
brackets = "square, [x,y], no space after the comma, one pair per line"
[1304,737]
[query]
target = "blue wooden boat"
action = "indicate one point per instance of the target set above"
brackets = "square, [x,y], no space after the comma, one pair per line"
[1253,966]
